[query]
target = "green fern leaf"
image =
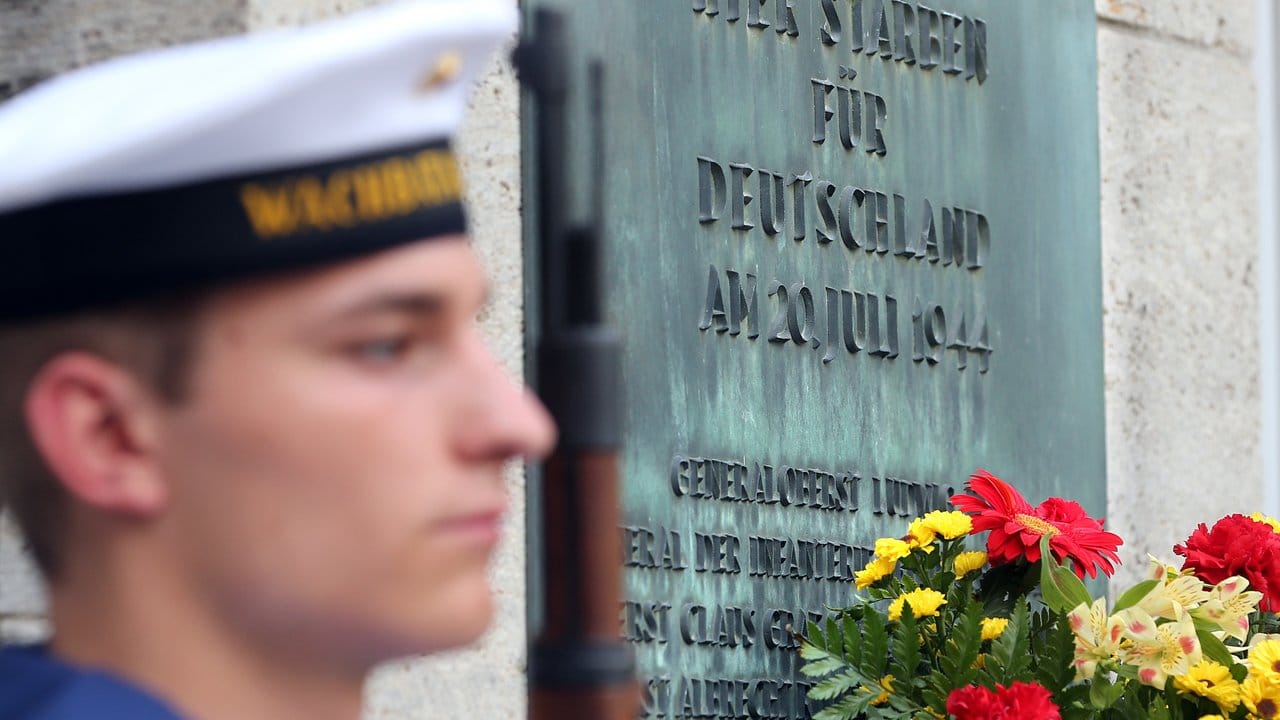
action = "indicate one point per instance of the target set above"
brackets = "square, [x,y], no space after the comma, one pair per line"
[822,668]
[1011,651]
[875,646]
[847,709]
[809,650]
[852,641]
[906,646]
[835,686]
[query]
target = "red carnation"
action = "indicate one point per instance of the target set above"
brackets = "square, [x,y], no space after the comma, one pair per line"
[972,702]
[1236,545]
[1028,701]
[1019,701]
[1016,527]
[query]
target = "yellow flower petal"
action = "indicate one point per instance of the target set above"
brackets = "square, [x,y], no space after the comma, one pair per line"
[1211,681]
[949,524]
[967,562]
[1262,698]
[895,607]
[875,571]
[924,602]
[886,687]
[1259,517]
[1264,661]
[892,549]
[993,627]
[919,534]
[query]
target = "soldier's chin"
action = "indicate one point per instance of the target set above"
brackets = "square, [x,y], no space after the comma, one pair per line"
[465,619]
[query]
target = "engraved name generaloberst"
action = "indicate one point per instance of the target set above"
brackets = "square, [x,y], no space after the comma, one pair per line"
[853,251]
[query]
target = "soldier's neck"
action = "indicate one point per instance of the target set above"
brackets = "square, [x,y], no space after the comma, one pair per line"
[143,624]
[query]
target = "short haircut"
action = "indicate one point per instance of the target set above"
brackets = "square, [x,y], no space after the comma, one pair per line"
[153,339]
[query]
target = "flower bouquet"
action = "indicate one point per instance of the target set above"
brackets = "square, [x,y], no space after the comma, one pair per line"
[944,630]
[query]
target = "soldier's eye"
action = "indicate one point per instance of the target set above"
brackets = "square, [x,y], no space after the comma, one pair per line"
[383,350]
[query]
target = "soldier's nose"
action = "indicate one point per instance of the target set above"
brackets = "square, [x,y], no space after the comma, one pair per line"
[508,420]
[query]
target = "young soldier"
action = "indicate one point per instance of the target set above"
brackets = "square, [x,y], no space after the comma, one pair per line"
[247,424]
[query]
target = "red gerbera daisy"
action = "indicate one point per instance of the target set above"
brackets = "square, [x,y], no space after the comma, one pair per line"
[1016,527]
[1236,545]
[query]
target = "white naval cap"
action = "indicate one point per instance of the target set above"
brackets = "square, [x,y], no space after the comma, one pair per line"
[240,156]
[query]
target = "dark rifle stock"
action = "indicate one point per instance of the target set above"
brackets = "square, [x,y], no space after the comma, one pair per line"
[581,669]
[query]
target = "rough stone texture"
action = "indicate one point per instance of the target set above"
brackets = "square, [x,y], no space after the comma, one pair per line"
[1226,25]
[1178,137]
[264,14]
[40,38]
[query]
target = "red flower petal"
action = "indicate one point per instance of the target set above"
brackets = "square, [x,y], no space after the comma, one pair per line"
[1027,701]
[972,702]
[1019,701]
[1236,545]
[1015,528]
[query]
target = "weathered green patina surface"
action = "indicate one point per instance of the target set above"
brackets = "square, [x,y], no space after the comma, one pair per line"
[923,185]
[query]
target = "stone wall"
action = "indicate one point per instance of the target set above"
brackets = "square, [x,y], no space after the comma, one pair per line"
[1179,143]
[41,38]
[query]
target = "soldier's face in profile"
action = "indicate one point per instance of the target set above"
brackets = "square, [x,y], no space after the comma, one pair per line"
[337,472]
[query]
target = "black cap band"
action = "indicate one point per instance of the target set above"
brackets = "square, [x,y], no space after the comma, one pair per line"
[87,252]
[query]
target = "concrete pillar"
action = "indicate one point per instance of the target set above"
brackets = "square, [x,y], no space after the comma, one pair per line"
[1179,142]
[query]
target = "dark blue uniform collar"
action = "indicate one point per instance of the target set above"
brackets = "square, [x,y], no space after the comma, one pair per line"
[37,686]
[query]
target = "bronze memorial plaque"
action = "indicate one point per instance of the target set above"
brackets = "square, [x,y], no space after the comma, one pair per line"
[853,250]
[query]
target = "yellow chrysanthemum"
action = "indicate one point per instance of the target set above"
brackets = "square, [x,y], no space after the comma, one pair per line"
[924,602]
[993,627]
[967,562]
[1275,524]
[1212,681]
[892,549]
[875,571]
[1212,717]
[886,687]
[1261,697]
[949,524]
[895,607]
[919,534]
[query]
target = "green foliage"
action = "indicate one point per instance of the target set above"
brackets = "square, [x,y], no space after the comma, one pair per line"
[1133,595]
[1211,646]
[1053,646]
[923,658]
[906,646]
[1061,589]
[1010,653]
[875,645]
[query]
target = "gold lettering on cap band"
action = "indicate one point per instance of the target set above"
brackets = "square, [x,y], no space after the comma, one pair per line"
[348,197]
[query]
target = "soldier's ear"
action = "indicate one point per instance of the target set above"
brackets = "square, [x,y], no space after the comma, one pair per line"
[95,426]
